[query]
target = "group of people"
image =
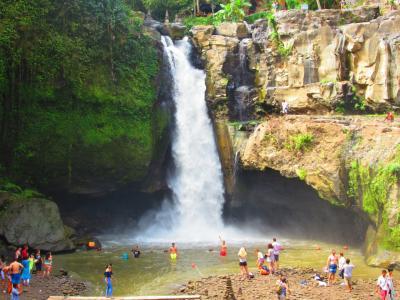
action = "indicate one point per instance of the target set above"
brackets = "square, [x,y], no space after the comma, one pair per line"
[339,263]
[385,285]
[18,273]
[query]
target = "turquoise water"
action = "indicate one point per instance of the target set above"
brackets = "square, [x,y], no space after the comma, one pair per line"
[154,273]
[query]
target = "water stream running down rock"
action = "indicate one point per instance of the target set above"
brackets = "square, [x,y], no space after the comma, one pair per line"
[195,212]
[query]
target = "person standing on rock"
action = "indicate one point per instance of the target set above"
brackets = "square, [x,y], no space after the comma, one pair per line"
[283,288]
[348,274]
[285,107]
[107,279]
[244,270]
[38,262]
[382,286]
[277,249]
[342,262]
[26,274]
[15,272]
[48,264]
[392,293]
[331,265]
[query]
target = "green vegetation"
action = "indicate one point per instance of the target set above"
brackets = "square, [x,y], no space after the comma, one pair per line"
[353,104]
[233,11]
[257,16]
[14,189]
[372,186]
[77,92]
[302,173]
[300,142]
[282,49]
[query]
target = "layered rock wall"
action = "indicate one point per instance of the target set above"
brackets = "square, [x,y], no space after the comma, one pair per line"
[324,60]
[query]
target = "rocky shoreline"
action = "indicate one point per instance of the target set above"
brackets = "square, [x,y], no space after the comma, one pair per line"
[301,284]
[56,285]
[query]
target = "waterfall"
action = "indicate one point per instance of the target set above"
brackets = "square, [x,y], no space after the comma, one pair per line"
[195,212]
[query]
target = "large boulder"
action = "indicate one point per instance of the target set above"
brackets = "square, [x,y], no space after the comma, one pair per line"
[230,29]
[34,221]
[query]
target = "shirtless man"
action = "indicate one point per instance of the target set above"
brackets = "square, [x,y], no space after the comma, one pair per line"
[15,271]
[173,251]
[331,265]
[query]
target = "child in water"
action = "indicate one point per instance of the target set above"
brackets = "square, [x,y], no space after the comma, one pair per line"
[173,251]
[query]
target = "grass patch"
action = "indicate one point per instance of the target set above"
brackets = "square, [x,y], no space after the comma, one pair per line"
[300,142]
[301,173]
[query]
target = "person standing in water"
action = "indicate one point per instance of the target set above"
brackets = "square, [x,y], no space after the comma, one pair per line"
[26,273]
[135,251]
[15,271]
[223,249]
[48,264]
[107,279]
[38,262]
[283,288]
[331,265]
[173,251]
[277,249]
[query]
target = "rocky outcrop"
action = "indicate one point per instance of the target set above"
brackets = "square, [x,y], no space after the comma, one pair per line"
[33,221]
[349,161]
[318,61]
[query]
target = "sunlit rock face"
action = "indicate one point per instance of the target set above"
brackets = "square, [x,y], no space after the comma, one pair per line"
[326,59]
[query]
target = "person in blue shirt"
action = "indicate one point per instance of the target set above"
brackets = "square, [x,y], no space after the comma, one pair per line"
[107,278]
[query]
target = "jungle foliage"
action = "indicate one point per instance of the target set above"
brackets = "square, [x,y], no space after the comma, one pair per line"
[76,80]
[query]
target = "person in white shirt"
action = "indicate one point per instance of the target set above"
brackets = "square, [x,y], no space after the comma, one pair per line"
[392,293]
[382,286]
[285,107]
[277,249]
[348,273]
[342,262]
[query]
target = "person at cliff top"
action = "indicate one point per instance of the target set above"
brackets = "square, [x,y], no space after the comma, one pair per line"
[173,251]
[382,286]
[331,264]
[392,292]
[26,274]
[342,262]
[48,264]
[271,258]
[244,270]
[389,116]
[285,107]
[348,274]
[277,249]
[223,249]
[135,251]
[38,262]
[107,279]
[24,252]
[15,269]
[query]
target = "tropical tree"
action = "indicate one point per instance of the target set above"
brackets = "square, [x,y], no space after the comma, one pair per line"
[233,11]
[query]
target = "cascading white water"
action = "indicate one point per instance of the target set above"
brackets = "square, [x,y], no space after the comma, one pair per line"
[197,181]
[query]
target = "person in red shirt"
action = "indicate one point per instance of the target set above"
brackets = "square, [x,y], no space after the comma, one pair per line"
[389,116]
[24,253]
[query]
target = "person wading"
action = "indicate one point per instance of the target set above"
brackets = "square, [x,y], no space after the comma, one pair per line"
[173,251]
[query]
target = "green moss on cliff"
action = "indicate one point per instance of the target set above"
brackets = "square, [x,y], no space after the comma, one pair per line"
[371,187]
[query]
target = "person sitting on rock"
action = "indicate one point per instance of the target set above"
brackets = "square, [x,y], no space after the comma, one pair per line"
[389,116]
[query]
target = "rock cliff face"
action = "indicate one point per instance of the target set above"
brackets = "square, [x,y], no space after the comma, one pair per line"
[316,61]
[321,63]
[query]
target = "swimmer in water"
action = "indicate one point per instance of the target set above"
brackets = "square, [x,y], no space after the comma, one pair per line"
[173,251]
